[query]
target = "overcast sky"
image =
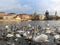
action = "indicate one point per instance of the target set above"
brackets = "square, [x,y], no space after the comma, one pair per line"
[30,6]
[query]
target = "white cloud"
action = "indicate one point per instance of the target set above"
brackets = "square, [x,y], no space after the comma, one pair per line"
[55,6]
[22,8]
[39,5]
[51,5]
[13,6]
[55,1]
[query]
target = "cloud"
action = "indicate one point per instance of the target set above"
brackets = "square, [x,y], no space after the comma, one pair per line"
[28,6]
[13,6]
[55,1]
[51,5]
[55,6]
[20,8]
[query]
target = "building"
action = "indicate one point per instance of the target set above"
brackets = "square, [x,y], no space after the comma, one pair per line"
[9,16]
[41,17]
[54,17]
[25,17]
[17,18]
[34,17]
[1,15]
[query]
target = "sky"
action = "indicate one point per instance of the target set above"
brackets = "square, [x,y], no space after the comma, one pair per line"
[30,6]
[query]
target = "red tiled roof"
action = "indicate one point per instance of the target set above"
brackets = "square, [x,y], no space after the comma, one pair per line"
[2,12]
[8,15]
[22,15]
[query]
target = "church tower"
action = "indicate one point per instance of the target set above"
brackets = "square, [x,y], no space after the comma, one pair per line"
[47,14]
[55,13]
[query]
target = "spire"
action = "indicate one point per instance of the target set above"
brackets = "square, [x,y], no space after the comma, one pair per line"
[55,13]
[47,14]
[35,13]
